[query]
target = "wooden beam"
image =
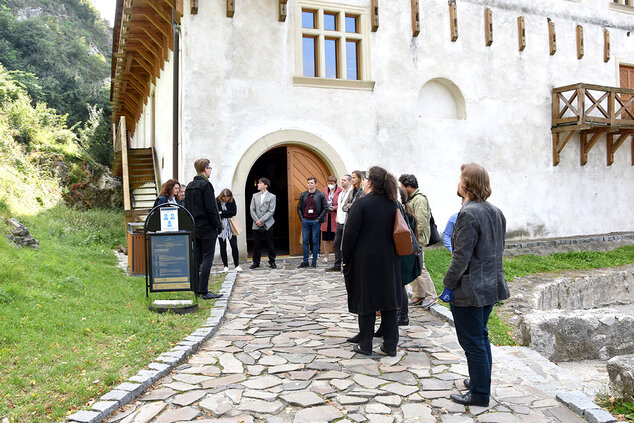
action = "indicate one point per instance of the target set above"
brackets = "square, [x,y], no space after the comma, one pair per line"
[415,19]
[521,33]
[453,20]
[151,60]
[231,8]
[612,146]
[283,10]
[149,15]
[552,38]
[586,145]
[162,12]
[158,38]
[152,48]
[581,105]
[145,65]
[143,81]
[488,26]
[606,45]
[559,142]
[579,41]
[374,15]
[178,11]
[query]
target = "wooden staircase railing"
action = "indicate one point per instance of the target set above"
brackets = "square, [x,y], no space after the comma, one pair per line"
[591,111]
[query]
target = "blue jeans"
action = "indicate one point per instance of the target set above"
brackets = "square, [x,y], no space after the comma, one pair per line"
[310,230]
[473,336]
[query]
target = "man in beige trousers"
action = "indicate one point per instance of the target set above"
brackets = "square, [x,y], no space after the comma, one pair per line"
[423,290]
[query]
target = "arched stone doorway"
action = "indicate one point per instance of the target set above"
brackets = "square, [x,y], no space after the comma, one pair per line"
[287,167]
[288,157]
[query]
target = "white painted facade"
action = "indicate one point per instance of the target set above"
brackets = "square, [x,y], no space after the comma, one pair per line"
[434,105]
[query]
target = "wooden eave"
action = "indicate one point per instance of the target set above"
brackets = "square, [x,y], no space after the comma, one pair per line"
[142,37]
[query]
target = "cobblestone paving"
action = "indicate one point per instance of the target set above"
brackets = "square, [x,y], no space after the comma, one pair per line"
[281,356]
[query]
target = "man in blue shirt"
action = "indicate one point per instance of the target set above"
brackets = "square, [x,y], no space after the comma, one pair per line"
[446,234]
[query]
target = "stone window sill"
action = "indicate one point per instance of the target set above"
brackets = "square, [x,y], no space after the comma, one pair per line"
[622,8]
[345,84]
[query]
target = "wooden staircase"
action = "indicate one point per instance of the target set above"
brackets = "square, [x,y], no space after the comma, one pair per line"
[137,166]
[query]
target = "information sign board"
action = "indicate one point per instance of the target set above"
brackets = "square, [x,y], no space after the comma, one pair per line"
[169,219]
[170,265]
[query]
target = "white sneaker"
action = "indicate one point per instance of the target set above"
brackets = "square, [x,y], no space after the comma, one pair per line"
[226,269]
[238,269]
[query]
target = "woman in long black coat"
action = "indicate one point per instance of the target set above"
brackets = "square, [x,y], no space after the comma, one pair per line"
[371,266]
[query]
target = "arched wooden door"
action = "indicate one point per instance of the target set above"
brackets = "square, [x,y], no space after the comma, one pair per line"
[302,164]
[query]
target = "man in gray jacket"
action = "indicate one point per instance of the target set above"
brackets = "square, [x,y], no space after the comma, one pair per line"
[262,209]
[476,276]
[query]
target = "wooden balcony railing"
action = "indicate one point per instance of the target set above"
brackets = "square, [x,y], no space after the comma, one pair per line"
[591,111]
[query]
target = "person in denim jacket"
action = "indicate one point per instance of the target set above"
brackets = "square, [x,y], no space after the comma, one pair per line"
[476,275]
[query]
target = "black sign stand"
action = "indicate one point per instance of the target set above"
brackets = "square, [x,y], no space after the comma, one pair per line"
[169,255]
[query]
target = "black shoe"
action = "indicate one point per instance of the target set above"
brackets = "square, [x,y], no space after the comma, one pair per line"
[314,265]
[273,266]
[379,332]
[467,383]
[354,339]
[333,269]
[304,264]
[386,352]
[404,321]
[254,266]
[210,296]
[467,399]
[359,350]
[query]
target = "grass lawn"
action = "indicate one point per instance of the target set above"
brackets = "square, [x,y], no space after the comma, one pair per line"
[72,325]
[437,262]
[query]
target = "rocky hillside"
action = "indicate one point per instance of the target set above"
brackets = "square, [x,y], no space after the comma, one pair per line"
[59,51]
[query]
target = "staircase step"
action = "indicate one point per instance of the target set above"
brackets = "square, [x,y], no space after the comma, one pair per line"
[151,194]
[139,151]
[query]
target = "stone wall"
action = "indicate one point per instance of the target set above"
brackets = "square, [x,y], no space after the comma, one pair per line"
[576,315]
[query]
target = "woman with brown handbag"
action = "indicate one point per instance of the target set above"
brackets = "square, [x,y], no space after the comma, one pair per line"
[371,266]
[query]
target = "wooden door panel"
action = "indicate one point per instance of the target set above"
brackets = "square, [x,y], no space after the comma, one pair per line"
[302,164]
[627,81]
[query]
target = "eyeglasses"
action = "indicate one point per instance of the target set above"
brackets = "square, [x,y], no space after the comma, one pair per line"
[208,167]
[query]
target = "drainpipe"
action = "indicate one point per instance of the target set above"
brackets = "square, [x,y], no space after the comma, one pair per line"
[175,100]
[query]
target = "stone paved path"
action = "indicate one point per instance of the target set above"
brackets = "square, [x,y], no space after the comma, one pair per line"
[281,356]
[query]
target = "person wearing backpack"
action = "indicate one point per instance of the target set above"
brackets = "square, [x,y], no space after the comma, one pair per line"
[423,290]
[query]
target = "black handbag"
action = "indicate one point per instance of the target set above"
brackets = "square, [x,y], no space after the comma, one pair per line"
[434,236]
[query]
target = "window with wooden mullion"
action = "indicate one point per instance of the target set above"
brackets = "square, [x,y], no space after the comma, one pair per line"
[331,44]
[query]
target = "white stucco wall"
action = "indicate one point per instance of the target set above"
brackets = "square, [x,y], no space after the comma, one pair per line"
[237,86]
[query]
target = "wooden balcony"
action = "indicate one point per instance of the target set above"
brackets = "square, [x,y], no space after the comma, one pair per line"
[592,111]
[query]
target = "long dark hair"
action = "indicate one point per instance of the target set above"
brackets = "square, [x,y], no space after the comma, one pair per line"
[167,187]
[383,183]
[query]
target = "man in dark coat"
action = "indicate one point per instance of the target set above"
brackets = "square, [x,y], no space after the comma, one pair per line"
[200,200]
[371,267]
